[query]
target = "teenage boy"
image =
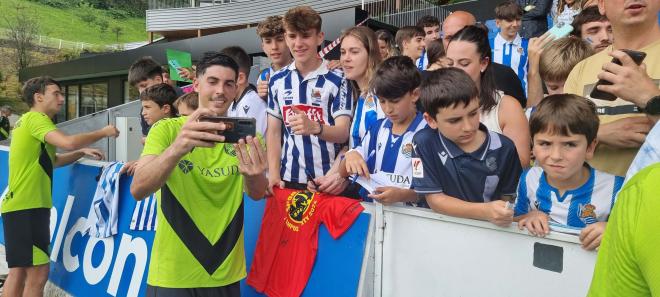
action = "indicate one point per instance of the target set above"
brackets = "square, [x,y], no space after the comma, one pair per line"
[410,41]
[387,146]
[271,32]
[431,27]
[198,248]
[594,28]
[565,190]
[460,167]
[509,48]
[26,206]
[309,107]
[158,103]
[247,103]
[144,73]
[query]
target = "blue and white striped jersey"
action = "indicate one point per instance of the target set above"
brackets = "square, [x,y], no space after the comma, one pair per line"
[590,203]
[388,153]
[324,95]
[144,214]
[423,61]
[512,54]
[367,112]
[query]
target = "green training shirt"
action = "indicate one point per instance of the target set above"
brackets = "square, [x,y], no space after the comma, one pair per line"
[199,241]
[629,257]
[31,162]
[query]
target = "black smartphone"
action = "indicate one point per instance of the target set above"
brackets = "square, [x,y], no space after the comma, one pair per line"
[235,128]
[638,57]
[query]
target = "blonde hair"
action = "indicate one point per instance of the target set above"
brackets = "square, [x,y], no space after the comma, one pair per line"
[560,56]
[370,42]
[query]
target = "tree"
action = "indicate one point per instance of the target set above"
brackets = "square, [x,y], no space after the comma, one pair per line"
[22,31]
[118,31]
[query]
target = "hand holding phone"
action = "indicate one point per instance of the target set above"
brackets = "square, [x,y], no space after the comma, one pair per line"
[636,56]
[235,127]
[560,30]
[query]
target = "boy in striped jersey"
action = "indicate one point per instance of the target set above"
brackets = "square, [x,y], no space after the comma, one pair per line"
[309,107]
[565,190]
[508,47]
[271,32]
[387,147]
[431,26]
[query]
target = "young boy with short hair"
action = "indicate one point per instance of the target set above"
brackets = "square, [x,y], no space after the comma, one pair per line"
[431,27]
[248,104]
[387,146]
[158,103]
[460,167]
[26,206]
[509,48]
[187,104]
[309,107]
[144,73]
[564,189]
[410,41]
[271,32]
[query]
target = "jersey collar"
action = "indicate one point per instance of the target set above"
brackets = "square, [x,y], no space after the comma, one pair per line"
[455,151]
[321,70]
[411,128]
[588,186]
[517,41]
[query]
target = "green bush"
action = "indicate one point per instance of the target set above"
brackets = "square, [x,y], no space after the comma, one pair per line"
[59,3]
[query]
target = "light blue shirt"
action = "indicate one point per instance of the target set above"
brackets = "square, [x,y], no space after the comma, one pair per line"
[648,154]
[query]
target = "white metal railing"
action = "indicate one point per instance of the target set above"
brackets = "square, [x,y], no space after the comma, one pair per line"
[57,43]
[165,4]
[403,12]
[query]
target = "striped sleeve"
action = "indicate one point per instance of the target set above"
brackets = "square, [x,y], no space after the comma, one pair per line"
[522,202]
[273,103]
[618,183]
[343,100]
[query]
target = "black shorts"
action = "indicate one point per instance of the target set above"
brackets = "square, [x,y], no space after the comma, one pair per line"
[232,290]
[27,237]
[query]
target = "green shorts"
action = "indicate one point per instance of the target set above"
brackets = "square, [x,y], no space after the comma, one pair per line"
[27,237]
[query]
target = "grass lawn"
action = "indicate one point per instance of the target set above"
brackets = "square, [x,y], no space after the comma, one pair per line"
[67,24]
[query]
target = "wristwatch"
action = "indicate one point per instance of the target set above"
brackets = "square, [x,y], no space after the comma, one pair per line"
[653,106]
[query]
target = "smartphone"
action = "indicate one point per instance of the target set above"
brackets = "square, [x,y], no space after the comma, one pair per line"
[235,128]
[510,200]
[636,56]
[560,30]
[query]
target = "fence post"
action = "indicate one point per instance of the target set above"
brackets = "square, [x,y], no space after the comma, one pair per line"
[60,47]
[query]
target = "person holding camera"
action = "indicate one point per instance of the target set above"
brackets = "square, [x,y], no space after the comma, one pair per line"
[198,249]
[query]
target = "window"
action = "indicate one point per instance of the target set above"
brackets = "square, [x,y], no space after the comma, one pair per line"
[94,97]
[72,96]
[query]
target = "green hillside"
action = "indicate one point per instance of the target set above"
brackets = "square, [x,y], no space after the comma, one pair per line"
[79,24]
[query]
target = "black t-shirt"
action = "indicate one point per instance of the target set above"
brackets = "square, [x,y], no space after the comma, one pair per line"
[508,82]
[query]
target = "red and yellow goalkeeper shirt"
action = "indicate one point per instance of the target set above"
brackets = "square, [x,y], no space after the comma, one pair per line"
[288,240]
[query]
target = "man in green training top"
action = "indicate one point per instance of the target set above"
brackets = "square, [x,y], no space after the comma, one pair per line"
[26,206]
[198,248]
